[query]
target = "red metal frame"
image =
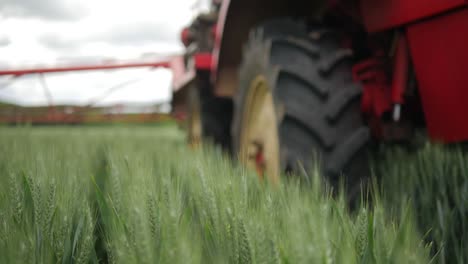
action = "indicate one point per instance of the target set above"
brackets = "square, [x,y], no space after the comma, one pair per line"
[186,37]
[19,117]
[376,98]
[39,70]
[203,61]
[383,92]
[181,75]
[436,37]
[52,116]
[218,38]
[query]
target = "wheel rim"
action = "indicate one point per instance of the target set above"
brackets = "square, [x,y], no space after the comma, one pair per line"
[259,142]
[194,119]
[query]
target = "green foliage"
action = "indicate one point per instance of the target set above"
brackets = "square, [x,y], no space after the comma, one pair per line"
[45,216]
[139,195]
[435,181]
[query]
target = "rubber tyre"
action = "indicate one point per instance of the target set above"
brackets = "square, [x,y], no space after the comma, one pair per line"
[216,115]
[317,103]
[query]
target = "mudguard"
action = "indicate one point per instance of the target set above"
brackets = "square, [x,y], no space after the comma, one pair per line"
[439,51]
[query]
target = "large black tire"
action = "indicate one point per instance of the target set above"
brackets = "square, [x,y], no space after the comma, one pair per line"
[216,121]
[216,114]
[316,101]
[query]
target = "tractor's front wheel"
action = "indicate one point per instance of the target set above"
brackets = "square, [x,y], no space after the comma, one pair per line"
[297,104]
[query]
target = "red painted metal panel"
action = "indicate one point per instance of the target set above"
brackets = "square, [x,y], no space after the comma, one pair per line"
[439,49]
[186,37]
[181,76]
[380,15]
[203,61]
[218,37]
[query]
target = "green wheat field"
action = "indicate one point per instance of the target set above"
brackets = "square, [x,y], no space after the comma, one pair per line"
[140,195]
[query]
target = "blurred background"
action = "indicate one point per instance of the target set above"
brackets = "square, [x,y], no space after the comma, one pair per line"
[69,32]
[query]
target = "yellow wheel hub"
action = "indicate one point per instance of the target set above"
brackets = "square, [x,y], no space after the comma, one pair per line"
[259,142]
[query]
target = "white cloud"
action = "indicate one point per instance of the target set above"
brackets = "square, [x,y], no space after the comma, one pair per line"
[109,29]
[45,9]
[4,41]
[145,86]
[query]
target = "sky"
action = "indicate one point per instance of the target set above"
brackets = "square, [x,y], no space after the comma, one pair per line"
[54,32]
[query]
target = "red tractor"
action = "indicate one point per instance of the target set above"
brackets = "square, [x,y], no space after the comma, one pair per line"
[285,82]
